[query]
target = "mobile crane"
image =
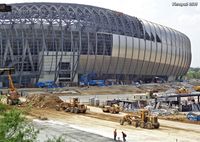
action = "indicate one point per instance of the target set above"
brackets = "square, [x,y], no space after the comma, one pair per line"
[13,95]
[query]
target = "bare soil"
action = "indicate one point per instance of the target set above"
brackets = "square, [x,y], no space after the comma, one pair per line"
[43,101]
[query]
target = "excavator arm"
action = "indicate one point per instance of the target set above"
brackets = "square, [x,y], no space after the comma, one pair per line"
[11,84]
[9,71]
[13,97]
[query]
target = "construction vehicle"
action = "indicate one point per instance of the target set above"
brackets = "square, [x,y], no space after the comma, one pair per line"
[62,106]
[13,95]
[73,106]
[111,109]
[141,119]
[196,88]
[130,119]
[182,90]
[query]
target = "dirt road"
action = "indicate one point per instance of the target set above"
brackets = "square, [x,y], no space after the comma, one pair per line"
[103,124]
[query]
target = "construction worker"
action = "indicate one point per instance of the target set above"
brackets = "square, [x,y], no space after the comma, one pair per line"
[115,134]
[124,136]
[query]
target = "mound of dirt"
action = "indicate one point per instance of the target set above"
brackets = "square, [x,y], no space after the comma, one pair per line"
[43,101]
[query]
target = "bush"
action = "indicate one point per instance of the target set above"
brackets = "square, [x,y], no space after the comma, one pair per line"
[15,128]
[3,108]
[59,139]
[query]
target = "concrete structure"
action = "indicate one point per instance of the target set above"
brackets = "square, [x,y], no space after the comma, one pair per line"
[60,42]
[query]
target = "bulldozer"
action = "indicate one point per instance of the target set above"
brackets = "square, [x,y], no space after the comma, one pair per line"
[13,95]
[111,109]
[141,119]
[182,90]
[73,106]
[62,106]
[196,88]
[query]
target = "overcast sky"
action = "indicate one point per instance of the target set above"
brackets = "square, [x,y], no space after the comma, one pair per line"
[185,19]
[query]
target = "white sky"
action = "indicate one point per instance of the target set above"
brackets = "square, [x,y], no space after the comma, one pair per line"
[184,19]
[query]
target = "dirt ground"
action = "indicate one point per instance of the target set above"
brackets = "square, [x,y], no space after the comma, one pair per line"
[119,89]
[104,124]
[97,122]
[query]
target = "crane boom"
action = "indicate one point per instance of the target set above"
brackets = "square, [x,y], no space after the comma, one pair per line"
[13,96]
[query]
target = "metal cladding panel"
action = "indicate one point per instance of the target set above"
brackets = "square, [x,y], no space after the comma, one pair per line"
[171,51]
[153,52]
[178,46]
[90,63]
[159,58]
[167,51]
[158,53]
[113,65]
[82,64]
[116,45]
[129,47]
[136,48]
[135,56]
[98,64]
[141,49]
[153,58]
[122,46]
[174,51]
[182,56]
[126,66]
[185,55]
[141,56]
[120,66]
[133,66]
[106,64]
[148,51]
[146,58]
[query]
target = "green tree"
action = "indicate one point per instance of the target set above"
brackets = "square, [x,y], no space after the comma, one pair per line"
[193,73]
[3,108]
[15,128]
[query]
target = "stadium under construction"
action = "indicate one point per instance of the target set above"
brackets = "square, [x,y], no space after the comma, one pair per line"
[62,41]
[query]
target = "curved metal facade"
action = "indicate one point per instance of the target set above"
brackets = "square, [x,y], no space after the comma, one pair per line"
[58,41]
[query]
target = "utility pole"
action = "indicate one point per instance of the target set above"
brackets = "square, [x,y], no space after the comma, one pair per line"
[5,8]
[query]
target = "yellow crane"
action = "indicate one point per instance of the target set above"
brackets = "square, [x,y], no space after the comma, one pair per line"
[13,95]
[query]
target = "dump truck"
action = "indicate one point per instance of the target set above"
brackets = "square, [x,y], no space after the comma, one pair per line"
[73,106]
[141,119]
[111,109]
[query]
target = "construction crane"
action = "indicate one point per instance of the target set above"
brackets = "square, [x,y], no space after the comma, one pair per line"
[13,95]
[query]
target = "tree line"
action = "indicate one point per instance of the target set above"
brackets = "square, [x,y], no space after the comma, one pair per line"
[193,73]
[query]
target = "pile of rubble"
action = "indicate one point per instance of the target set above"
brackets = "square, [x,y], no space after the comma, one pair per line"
[164,112]
[43,101]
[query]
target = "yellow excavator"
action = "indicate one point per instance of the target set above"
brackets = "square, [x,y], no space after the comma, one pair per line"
[13,95]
